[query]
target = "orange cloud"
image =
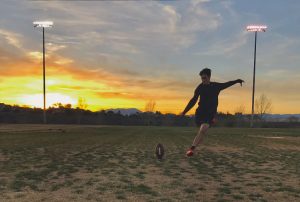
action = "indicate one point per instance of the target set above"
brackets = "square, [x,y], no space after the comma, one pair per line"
[139,96]
[21,77]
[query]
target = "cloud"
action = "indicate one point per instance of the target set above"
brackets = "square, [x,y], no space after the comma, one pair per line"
[138,96]
[63,61]
[226,47]
[132,27]
[196,3]
[11,38]
[96,33]
[139,47]
[35,55]
[198,18]
[11,48]
[52,47]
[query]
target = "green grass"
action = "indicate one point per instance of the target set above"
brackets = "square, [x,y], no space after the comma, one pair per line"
[189,190]
[118,163]
[237,197]
[224,190]
[141,189]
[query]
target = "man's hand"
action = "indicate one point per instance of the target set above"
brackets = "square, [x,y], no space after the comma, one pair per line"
[240,81]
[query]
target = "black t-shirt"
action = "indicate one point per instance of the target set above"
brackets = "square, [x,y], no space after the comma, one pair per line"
[209,93]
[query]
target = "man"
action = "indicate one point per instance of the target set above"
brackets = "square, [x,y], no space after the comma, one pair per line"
[208,104]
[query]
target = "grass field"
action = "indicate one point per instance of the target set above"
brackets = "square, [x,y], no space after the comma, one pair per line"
[111,163]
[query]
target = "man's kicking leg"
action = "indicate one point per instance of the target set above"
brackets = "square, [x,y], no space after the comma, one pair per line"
[198,139]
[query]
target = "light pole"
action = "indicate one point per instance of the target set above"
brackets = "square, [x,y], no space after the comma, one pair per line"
[44,24]
[254,28]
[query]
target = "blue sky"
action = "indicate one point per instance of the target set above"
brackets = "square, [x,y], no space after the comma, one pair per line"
[162,45]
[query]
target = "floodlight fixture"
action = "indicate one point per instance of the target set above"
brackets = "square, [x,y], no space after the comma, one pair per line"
[43,24]
[257,28]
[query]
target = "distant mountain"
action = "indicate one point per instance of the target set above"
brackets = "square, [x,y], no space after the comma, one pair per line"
[281,116]
[123,111]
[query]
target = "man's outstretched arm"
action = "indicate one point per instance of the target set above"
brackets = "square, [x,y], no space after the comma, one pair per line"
[191,103]
[223,86]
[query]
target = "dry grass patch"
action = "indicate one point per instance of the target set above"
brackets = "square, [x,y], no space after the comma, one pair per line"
[118,164]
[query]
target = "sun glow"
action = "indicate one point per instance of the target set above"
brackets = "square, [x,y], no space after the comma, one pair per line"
[36,100]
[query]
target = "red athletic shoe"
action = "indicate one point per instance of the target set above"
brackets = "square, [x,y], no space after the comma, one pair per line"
[189,153]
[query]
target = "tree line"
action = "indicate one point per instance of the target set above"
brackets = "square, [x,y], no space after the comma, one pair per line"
[65,114]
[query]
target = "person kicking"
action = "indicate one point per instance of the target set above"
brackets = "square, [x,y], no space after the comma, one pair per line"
[207,106]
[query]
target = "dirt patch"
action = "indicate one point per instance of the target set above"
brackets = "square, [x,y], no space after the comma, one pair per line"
[221,148]
[3,157]
[120,165]
[277,146]
[278,137]
[280,142]
[19,128]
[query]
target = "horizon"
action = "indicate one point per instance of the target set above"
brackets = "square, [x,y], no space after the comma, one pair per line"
[124,54]
[141,110]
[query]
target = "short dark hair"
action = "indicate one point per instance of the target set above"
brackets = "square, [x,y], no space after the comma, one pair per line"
[205,71]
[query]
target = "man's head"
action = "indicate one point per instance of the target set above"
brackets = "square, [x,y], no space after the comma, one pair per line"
[205,75]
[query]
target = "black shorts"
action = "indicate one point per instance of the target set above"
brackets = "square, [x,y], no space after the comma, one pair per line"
[204,117]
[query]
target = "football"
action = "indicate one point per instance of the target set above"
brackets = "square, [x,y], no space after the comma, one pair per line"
[159,151]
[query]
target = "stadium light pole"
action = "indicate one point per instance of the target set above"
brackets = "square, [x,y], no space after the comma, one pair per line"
[44,24]
[255,28]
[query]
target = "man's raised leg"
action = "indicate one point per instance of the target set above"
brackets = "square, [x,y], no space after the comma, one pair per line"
[200,135]
[198,139]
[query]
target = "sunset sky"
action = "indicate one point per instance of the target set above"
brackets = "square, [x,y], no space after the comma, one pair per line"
[122,54]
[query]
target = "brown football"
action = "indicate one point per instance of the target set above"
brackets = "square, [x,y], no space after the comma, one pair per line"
[159,151]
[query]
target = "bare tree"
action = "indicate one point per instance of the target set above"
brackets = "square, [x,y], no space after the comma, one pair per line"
[82,103]
[68,106]
[240,110]
[57,105]
[150,106]
[263,105]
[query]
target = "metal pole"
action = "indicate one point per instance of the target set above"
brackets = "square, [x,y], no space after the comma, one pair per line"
[44,75]
[253,89]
